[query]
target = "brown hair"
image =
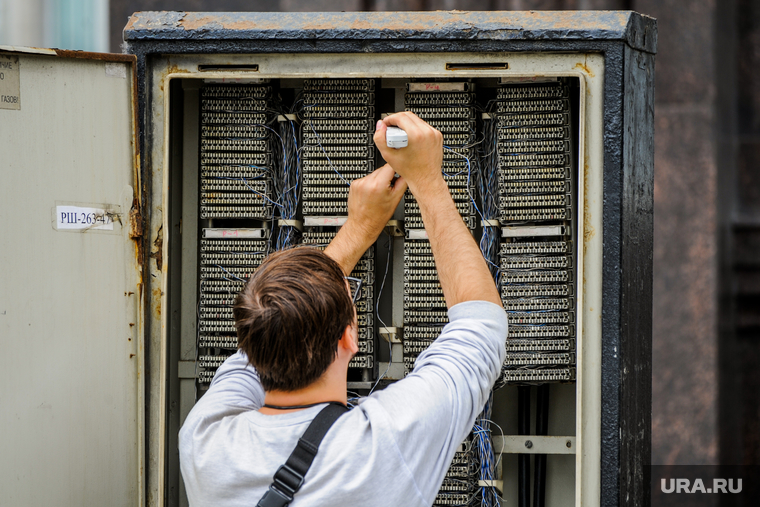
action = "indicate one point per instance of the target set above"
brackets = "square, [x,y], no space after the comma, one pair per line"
[291,315]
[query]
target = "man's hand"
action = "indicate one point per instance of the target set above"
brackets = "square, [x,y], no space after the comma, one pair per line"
[420,162]
[371,203]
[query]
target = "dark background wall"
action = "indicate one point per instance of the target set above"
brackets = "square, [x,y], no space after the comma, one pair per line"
[706,331]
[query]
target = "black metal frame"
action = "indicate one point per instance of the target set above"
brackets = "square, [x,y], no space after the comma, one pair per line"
[627,41]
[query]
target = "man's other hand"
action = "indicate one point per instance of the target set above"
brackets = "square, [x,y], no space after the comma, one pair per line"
[372,201]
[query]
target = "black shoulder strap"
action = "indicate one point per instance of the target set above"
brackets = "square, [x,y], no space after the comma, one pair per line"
[289,477]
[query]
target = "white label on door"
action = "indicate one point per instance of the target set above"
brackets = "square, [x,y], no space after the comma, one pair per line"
[80,218]
[116,69]
[10,83]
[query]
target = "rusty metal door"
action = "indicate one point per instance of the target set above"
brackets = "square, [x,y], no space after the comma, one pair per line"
[71,361]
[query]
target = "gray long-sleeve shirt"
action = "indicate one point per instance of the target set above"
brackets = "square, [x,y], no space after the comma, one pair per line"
[392,450]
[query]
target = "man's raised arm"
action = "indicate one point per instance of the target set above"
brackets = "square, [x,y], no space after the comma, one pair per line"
[462,270]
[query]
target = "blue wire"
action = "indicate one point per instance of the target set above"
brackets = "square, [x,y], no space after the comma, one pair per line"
[472,199]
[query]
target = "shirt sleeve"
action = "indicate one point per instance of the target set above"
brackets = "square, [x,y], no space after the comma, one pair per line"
[433,409]
[237,383]
[234,389]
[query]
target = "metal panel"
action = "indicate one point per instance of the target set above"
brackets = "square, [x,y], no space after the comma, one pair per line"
[69,304]
[636,260]
[227,39]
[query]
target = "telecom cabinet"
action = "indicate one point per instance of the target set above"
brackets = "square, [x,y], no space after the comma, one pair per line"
[251,126]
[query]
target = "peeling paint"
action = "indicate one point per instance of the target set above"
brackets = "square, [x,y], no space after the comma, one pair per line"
[474,22]
[158,252]
[431,25]
[135,221]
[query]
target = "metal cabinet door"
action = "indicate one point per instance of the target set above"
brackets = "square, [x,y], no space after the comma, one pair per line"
[70,349]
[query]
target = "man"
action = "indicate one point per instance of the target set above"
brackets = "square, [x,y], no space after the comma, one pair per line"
[297,326]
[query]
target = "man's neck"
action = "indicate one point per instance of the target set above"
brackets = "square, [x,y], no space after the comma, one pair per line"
[329,387]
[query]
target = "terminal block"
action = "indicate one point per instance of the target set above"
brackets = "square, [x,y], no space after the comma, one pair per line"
[547,290]
[540,345]
[225,267]
[339,85]
[236,152]
[540,91]
[328,96]
[238,92]
[536,187]
[450,108]
[320,111]
[232,118]
[536,376]
[232,105]
[531,106]
[417,338]
[518,331]
[461,479]
[510,174]
[512,133]
[439,113]
[208,365]
[337,142]
[533,120]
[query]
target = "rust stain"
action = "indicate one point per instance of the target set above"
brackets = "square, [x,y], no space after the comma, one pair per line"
[139,257]
[135,217]
[136,233]
[192,22]
[588,229]
[559,20]
[157,300]
[135,221]
[584,68]
[361,24]
[158,252]
[87,55]
[172,69]
[239,25]
[383,21]
[133,19]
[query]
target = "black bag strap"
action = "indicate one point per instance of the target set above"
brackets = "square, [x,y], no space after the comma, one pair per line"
[289,477]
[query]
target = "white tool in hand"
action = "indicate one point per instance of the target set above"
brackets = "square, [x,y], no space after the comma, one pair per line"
[396,138]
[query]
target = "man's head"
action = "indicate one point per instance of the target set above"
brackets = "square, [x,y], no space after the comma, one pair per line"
[291,315]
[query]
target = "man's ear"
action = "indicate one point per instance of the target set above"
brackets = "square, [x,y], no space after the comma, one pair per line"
[348,340]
